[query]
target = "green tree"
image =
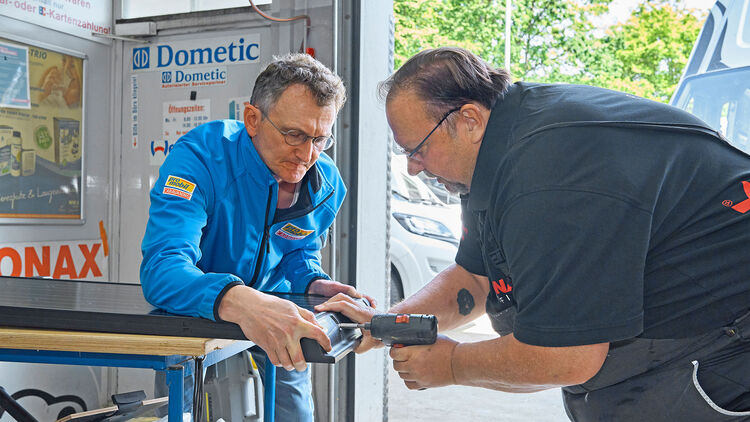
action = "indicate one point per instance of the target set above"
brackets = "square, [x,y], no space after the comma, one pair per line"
[656,43]
[421,24]
[557,40]
[478,25]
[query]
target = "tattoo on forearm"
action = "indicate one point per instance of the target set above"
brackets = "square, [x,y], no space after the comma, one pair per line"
[465,302]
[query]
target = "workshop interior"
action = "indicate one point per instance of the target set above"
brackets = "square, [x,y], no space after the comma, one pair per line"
[94,98]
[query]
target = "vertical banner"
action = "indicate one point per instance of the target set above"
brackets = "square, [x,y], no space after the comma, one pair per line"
[134,109]
[41,148]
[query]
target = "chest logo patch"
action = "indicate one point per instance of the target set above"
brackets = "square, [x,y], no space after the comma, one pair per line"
[292,232]
[177,186]
[743,206]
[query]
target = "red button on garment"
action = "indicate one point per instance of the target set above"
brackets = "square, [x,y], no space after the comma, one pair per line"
[402,319]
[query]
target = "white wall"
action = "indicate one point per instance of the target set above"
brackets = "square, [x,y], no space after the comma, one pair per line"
[88,383]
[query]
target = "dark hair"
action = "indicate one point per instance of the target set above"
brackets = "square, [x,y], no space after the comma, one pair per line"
[447,77]
[297,68]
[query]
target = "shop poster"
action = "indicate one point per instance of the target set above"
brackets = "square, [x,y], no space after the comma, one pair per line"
[41,148]
[14,76]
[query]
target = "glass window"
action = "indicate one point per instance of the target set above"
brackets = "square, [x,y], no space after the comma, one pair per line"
[721,99]
[142,8]
[415,190]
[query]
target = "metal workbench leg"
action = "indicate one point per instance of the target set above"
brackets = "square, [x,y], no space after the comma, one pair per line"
[15,410]
[269,392]
[175,374]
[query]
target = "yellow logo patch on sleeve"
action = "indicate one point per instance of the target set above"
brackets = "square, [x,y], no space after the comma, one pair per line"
[179,187]
[292,232]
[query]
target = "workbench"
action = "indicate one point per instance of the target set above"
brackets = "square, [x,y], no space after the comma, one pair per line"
[92,323]
[111,324]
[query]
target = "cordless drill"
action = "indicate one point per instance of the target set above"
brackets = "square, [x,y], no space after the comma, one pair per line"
[400,329]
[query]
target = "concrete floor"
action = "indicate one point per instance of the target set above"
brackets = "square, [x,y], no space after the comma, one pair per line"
[457,403]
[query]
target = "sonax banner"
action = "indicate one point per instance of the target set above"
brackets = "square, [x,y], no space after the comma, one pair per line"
[73,259]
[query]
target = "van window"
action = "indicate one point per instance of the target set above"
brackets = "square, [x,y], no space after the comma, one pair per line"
[412,189]
[721,99]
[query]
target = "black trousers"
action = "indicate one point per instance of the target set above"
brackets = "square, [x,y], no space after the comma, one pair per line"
[702,379]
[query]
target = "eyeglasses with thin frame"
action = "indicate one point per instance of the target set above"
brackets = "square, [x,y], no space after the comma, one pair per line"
[294,137]
[410,154]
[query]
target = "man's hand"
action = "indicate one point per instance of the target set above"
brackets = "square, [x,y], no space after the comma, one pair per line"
[275,325]
[331,288]
[425,366]
[357,312]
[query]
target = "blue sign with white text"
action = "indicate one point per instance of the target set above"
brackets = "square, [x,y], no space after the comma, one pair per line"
[178,55]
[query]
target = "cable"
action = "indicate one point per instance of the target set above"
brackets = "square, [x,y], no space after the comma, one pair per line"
[271,18]
[198,390]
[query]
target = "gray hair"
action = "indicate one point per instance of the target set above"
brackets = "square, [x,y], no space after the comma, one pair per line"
[446,78]
[297,68]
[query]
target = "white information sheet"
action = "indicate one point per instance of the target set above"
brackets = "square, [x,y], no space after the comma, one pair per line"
[178,118]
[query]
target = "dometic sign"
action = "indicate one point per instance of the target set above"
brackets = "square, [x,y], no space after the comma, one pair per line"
[77,259]
[190,77]
[179,55]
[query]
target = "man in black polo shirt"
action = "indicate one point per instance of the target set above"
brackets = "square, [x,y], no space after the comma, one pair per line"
[607,237]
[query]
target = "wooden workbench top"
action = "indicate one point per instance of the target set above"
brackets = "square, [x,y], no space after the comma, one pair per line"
[80,341]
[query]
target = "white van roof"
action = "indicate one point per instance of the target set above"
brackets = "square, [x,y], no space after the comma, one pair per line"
[715,50]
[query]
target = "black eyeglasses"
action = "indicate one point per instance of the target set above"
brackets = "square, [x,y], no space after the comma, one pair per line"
[410,154]
[295,137]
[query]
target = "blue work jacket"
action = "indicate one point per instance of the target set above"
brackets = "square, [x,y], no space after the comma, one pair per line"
[213,223]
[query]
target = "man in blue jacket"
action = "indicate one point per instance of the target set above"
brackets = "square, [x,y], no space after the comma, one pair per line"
[240,209]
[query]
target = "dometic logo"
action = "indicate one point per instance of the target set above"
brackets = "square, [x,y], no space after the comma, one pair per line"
[190,77]
[292,232]
[179,187]
[141,57]
[171,56]
[743,206]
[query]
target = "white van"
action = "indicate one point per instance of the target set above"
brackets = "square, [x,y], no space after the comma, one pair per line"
[715,85]
[424,232]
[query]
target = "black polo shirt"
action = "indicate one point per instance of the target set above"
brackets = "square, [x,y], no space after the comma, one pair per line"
[599,216]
